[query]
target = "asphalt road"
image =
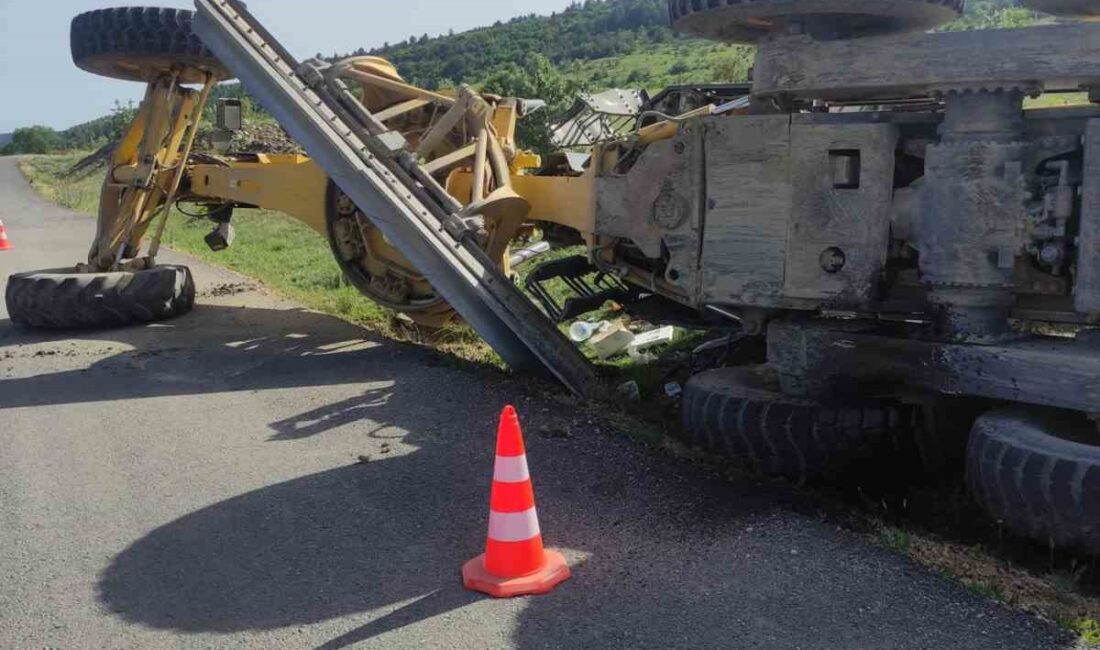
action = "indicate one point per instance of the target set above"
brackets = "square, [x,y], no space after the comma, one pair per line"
[194,485]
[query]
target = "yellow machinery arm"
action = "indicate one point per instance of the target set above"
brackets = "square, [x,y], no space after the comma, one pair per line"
[288,183]
[145,171]
[295,185]
[459,136]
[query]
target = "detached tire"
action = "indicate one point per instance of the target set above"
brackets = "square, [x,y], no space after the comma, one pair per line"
[734,412]
[1038,472]
[64,299]
[141,43]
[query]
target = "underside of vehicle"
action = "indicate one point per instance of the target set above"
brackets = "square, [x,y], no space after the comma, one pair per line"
[877,209]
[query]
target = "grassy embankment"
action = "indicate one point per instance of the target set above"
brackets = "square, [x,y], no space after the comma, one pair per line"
[661,65]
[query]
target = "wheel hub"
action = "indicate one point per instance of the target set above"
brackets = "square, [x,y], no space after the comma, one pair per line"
[378,269]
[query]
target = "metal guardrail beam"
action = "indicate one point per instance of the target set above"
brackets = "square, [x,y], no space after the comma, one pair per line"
[398,205]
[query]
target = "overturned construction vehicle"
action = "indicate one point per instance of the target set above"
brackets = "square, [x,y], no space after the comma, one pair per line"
[877,210]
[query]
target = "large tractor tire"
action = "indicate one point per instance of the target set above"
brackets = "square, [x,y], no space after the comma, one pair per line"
[735,412]
[64,299]
[142,43]
[1038,473]
[1079,9]
[750,21]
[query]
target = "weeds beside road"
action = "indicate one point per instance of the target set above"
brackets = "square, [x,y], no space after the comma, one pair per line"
[931,522]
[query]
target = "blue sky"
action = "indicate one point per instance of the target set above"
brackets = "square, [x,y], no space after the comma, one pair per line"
[40,85]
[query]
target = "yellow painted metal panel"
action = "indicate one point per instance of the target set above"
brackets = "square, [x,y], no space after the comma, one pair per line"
[288,183]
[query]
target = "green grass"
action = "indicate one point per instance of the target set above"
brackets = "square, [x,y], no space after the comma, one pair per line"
[895,539]
[284,254]
[988,590]
[666,64]
[1057,100]
[45,173]
[1089,629]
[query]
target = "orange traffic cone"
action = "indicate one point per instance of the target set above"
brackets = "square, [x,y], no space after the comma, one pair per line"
[514,563]
[5,243]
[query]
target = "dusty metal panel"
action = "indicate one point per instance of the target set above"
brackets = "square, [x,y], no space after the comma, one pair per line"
[750,200]
[658,204]
[798,211]
[1087,291]
[842,178]
[1056,57]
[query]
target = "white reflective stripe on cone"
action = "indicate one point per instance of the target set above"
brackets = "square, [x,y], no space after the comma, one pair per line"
[513,526]
[511,469]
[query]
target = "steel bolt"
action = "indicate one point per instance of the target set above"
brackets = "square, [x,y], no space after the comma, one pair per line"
[833,260]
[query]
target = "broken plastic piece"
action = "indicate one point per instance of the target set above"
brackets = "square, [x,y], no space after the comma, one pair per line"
[612,340]
[662,336]
[582,331]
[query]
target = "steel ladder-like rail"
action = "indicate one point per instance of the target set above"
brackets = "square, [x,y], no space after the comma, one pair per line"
[377,172]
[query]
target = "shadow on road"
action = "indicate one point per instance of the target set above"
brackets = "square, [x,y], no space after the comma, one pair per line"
[392,534]
[342,542]
[213,349]
[676,557]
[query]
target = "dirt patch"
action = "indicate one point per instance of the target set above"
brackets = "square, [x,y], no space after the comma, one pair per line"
[254,137]
[228,289]
[71,350]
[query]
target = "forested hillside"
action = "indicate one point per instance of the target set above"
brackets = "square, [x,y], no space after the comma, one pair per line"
[596,29]
[591,45]
[601,43]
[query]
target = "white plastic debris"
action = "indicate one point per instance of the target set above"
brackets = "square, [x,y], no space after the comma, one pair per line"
[612,340]
[581,331]
[662,336]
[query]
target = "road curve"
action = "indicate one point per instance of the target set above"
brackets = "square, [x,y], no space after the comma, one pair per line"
[195,485]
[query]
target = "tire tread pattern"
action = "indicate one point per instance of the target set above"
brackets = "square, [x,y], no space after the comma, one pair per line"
[1034,482]
[68,300]
[137,32]
[725,411]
